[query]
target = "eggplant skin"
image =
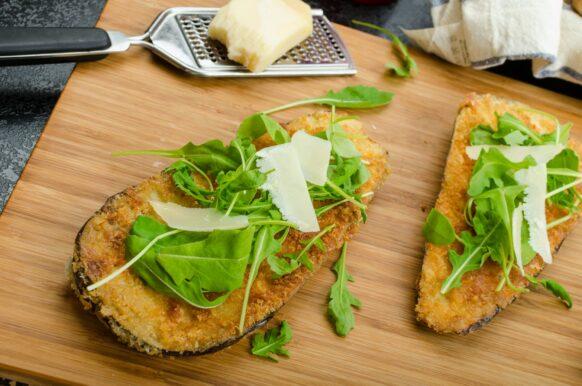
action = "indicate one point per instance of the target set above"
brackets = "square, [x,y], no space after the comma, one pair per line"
[473,305]
[156,324]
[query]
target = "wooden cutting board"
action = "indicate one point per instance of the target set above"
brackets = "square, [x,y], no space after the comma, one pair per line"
[134,101]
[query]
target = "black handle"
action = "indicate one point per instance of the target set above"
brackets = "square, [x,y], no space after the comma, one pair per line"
[43,44]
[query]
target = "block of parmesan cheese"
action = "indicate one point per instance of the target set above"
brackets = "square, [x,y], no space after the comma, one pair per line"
[258,32]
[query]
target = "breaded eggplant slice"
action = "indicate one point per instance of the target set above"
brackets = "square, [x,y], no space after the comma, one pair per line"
[156,324]
[475,302]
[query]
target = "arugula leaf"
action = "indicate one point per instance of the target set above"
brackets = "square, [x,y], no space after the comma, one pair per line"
[527,252]
[265,245]
[554,287]
[511,131]
[472,258]
[183,179]
[246,180]
[483,135]
[176,283]
[341,299]
[492,169]
[409,67]
[218,262]
[510,136]
[558,291]
[560,135]
[258,124]
[357,97]
[303,255]
[507,123]
[211,156]
[282,266]
[567,160]
[351,97]
[341,143]
[438,229]
[272,342]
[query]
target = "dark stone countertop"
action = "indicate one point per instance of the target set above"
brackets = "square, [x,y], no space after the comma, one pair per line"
[28,93]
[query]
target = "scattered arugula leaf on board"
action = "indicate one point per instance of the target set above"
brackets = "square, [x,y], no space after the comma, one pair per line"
[272,342]
[408,66]
[558,291]
[555,288]
[341,299]
[438,229]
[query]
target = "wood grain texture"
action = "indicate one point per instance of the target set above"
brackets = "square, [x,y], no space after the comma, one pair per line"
[134,101]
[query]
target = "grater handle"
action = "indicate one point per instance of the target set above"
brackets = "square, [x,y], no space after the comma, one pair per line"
[40,45]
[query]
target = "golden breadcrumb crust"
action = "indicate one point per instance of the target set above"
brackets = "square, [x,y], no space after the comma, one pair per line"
[157,324]
[472,305]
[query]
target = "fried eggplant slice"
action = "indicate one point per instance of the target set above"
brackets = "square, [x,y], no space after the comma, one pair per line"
[475,302]
[156,324]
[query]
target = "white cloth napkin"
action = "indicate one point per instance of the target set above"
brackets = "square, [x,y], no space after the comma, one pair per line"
[485,33]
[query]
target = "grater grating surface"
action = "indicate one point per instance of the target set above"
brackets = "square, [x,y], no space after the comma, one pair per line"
[320,48]
[323,53]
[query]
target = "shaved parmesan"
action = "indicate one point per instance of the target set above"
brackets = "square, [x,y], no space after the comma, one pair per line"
[542,153]
[286,183]
[196,219]
[516,223]
[534,207]
[313,154]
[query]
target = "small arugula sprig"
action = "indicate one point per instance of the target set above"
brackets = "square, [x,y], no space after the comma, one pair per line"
[494,195]
[341,299]
[272,342]
[408,67]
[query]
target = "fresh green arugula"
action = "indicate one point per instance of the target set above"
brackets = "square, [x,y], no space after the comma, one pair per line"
[265,245]
[258,124]
[303,255]
[272,342]
[211,156]
[494,195]
[346,172]
[408,66]
[341,299]
[473,257]
[438,229]
[188,265]
[564,162]
[557,289]
[351,97]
